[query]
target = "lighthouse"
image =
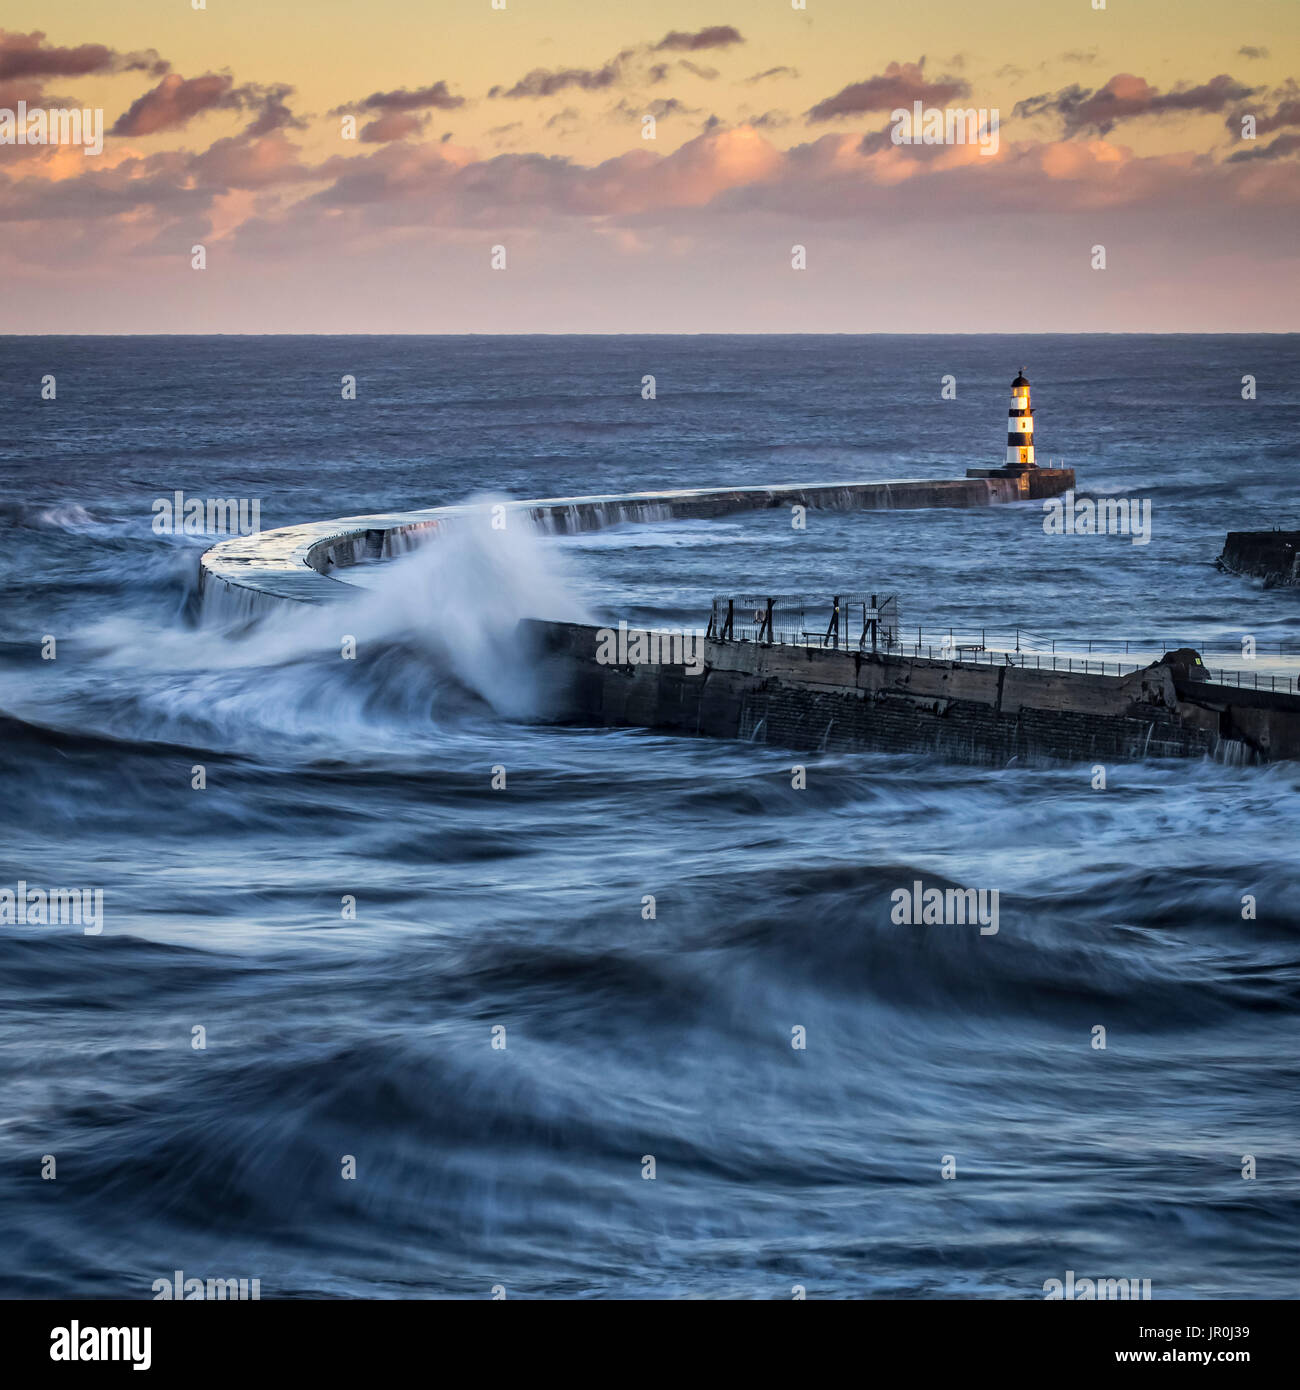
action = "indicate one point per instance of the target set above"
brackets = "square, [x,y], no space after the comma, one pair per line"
[1020,471]
[1020,427]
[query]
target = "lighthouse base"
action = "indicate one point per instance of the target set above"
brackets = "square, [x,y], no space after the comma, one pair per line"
[1030,481]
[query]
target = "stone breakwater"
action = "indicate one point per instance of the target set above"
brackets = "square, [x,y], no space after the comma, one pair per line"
[297,563]
[1273,556]
[801,697]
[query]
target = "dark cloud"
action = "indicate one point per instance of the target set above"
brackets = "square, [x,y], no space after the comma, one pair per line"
[629,66]
[715,36]
[176,100]
[543,82]
[659,108]
[769,120]
[1287,114]
[899,85]
[1126,97]
[1282,147]
[438,96]
[274,113]
[1248,50]
[29,56]
[782,71]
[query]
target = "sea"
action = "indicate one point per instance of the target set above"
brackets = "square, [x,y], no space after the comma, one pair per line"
[399,990]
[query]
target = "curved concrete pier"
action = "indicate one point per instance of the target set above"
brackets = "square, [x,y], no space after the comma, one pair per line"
[297,563]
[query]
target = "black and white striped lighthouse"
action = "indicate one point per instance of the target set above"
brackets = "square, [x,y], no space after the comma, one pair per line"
[1020,426]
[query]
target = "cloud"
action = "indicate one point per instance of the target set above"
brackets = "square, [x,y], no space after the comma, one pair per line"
[628,66]
[393,125]
[274,113]
[1126,97]
[781,71]
[238,162]
[29,56]
[1248,50]
[715,36]
[1287,114]
[544,82]
[900,84]
[659,108]
[438,96]
[176,100]
[1280,148]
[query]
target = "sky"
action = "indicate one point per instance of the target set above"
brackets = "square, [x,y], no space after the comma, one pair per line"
[411,166]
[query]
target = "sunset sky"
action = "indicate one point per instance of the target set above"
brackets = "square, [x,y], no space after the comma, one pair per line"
[523,127]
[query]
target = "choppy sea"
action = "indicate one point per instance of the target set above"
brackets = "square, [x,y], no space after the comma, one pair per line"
[515,915]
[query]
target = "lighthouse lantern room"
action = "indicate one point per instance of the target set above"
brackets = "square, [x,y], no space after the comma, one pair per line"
[1020,426]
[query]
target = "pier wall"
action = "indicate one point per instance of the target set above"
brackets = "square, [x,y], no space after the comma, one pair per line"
[810,699]
[300,563]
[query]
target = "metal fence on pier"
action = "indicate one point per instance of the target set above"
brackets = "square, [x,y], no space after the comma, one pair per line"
[870,623]
[843,622]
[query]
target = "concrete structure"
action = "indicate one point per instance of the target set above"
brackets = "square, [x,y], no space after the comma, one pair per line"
[804,697]
[811,698]
[298,562]
[1273,556]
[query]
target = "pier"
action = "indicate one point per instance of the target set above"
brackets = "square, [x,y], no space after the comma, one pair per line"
[834,674]
[298,563]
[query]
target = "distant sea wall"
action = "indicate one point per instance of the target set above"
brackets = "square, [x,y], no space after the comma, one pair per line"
[811,699]
[1273,556]
[296,563]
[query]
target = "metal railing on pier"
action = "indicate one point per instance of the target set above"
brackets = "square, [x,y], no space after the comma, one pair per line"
[870,623]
